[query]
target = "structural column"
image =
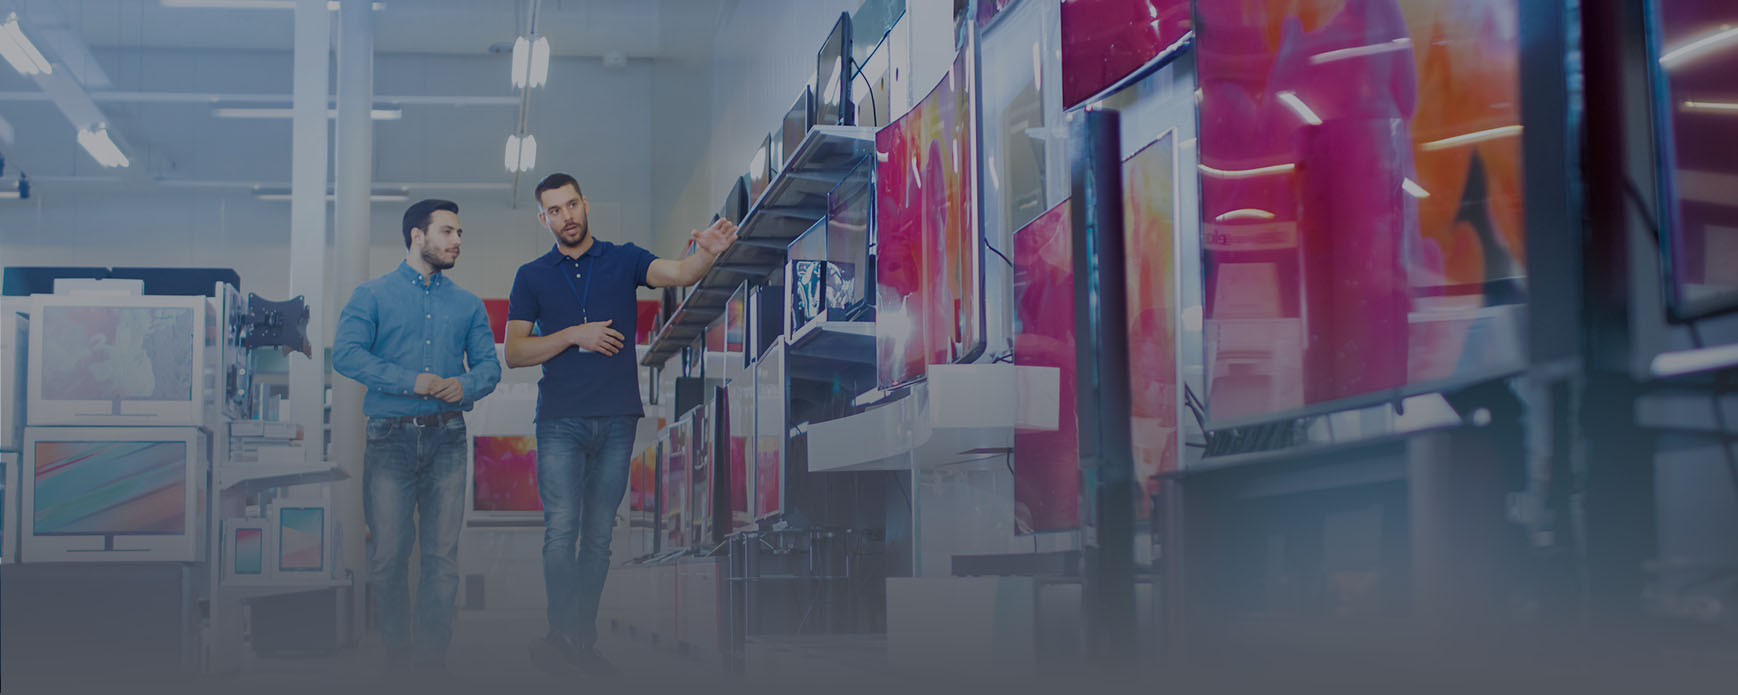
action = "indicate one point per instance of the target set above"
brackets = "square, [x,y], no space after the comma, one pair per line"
[313,47]
[355,172]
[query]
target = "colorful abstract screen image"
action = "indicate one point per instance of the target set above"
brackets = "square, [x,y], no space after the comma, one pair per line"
[110,488]
[769,432]
[1361,200]
[1104,41]
[1046,462]
[117,353]
[929,275]
[504,474]
[675,491]
[301,539]
[1697,43]
[1149,244]
[700,478]
[739,424]
[249,551]
[636,484]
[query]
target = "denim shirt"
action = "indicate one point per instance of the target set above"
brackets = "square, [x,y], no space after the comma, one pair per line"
[401,324]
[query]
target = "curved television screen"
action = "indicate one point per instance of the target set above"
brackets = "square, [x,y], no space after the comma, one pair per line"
[1361,200]
[1046,461]
[929,270]
[1105,41]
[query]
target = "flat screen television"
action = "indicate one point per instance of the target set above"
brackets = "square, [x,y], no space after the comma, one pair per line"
[759,171]
[678,462]
[1149,215]
[769,432]
[131,361]
[1361,202]
[249,546]
[806,278]
[636,489]
[700,477]
[1046,459]
[656,487]
[929,306]
[739,429]
[503,487]
[796,125]
[1695,86]
[833,67]
[303,537]
[736,330]
[736,201]
[113,494]
[850,214]
[1107,42]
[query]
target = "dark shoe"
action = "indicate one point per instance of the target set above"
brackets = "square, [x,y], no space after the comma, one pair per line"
[549,654]
[592,662]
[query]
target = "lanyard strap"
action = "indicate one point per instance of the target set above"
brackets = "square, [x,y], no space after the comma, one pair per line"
[584,300]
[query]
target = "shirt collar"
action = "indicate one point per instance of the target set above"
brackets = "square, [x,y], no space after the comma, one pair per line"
[404,270]
[555,256]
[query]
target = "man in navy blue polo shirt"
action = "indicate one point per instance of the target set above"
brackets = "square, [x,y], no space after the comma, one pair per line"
[422,346]
[580,299]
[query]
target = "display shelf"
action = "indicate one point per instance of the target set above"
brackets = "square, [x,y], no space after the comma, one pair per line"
[791,203]
[958,414]
[244,592]
[269,475]
[840,341]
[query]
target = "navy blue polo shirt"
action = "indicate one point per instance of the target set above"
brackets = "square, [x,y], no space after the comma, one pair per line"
[555,292]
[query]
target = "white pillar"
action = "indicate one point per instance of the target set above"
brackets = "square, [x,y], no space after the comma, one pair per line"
[355,172]
[313,47]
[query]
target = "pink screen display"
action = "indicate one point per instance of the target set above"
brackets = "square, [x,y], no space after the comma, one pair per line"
[1046,462]
[1361,198]
[1104,41]
[1149,243]
[928,272]
[504,477]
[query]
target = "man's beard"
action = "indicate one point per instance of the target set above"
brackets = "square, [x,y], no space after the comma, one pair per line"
[435,261]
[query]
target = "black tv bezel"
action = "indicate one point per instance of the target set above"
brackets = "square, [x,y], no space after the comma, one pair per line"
[846,62]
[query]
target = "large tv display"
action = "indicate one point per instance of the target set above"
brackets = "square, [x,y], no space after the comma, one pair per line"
[675,532]
[1105,41]
[929,270]
[1149,201]
[112,494]
[104,360]
[1696,95]
[504,475]
[769,432]
[1361,198]
[1046,461]
[833,76]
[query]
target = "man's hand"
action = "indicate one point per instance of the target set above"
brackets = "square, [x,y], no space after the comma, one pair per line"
[449,390]
[425,384]
[716,238]
[596,336]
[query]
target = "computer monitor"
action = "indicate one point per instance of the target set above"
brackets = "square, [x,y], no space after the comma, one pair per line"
[929,306]
[113,494]
[116,360]
[833,67]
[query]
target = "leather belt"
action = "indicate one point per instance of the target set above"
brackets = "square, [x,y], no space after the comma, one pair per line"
[434,420]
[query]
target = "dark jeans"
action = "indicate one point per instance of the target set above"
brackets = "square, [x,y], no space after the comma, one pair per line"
[414,481]
[582,473]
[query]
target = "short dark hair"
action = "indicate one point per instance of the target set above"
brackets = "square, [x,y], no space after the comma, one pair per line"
[418,214]
[552,182]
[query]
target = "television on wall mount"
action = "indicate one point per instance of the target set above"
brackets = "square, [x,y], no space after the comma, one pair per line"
[1404,272]
[113,494]
[833,66]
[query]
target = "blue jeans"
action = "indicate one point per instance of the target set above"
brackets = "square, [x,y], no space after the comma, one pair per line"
[582,473]
[414,484]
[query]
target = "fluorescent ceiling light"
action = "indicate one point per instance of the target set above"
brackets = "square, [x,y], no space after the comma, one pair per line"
[376,196]
[331,5]
[1676,57]
[521,153]
[17,49]
[1248,173]
[102,148]
[1470,138]
[1399,44]
[1711,107]
[530,61]
[1290,98]
[10,195]
[378,114]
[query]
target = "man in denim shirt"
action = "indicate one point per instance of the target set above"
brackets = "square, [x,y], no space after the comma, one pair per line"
[580,297]
[422,346]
